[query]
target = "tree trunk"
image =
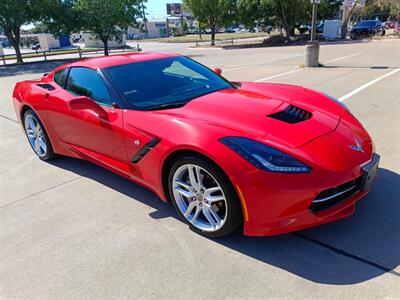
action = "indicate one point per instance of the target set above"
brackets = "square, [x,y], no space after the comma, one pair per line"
[212,35]
[14,38]
[346,19]
[105,42]
[285,23]
[343,30]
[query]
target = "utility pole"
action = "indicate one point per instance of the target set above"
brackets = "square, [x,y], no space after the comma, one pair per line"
[312,47]
[145,21]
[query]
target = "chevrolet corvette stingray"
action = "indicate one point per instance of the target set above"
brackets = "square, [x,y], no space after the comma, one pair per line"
[266,158]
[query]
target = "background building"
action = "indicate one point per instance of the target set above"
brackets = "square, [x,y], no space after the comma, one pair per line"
[155,28]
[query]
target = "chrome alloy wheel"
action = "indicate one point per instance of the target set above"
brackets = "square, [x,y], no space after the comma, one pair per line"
[35,135]
[199,197]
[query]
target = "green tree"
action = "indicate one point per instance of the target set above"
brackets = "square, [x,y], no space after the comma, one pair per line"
[287,13]
[392,7]
[291,13]
[327,9]
[40,28]
[14,14]
[107,19]
[62,17]
[250,12]
[214,14]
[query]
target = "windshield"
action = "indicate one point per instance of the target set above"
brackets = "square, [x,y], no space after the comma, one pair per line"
[366,23]
[164,83]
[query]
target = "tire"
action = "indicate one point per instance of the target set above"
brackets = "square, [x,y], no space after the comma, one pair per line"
[37,136]
[202,201]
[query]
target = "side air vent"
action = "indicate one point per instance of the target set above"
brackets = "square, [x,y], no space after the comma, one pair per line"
[146,149]
[46,86]
[292,114]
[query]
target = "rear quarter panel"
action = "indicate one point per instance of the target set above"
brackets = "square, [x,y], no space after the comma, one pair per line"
[27,94]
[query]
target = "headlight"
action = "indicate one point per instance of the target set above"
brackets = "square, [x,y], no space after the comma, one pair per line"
[337,101]
[265,157]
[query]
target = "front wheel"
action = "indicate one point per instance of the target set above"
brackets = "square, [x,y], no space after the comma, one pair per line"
[37,136]
[203,197]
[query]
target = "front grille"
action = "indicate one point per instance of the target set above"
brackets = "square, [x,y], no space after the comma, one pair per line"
[332,196]
[292,114]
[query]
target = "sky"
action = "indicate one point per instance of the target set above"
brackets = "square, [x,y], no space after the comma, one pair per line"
[157,9]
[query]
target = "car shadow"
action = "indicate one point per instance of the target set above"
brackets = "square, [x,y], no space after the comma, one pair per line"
[354,250]
[32,67]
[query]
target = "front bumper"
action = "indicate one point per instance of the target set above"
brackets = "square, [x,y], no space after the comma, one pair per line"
[276,203]
[281,207]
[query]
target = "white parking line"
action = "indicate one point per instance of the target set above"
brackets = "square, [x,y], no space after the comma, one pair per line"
[261,64]
[277,75]
[293,71]
[341,58]
[364,86]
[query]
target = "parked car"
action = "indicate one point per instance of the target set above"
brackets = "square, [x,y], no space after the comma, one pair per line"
[396,30]
[274,158]
[320,27]
[36,46]
[229,30]
[367,28]
[5,43]
[390,25]
[304,28]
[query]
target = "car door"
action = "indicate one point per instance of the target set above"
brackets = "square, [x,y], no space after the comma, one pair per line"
[95,133]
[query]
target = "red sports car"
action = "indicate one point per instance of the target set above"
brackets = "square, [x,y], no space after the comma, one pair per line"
[274,158]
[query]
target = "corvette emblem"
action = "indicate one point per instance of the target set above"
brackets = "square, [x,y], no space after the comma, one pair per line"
[357,147]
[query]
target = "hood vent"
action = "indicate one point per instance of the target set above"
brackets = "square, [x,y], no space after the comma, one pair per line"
[292,114]
[46,86]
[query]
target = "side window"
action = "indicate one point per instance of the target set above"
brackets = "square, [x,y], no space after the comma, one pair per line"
[60,77]
[86,82]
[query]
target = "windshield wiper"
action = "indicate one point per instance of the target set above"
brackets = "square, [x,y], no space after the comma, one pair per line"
[168,105]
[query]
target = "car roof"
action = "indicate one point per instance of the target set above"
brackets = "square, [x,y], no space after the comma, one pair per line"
[118,59]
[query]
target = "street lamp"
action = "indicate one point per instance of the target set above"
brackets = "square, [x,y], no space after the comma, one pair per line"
[145,20]
[312,47]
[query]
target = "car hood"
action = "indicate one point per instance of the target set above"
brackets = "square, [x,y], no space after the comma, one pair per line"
[247,111]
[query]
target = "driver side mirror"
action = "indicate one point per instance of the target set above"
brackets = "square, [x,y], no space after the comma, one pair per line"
[83,102]
[218,71]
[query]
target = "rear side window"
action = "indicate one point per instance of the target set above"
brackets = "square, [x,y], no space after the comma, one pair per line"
[60,77]
[86,82]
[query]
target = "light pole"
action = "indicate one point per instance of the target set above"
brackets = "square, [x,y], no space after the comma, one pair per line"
[145,21]
[312,47]
[314,19]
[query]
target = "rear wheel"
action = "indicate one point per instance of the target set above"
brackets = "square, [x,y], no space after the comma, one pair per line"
[204,197]
[37,136]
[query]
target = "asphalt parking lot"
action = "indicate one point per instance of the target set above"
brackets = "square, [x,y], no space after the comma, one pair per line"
[71,230]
